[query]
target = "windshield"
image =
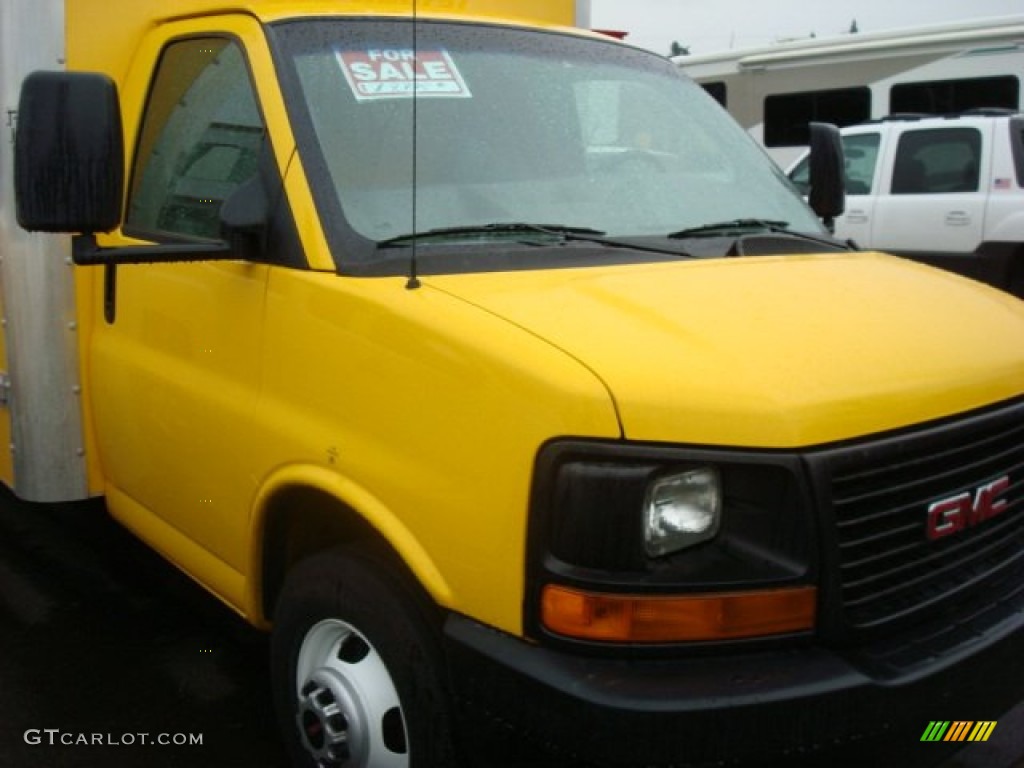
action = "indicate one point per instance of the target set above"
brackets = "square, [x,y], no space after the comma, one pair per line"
[511,126]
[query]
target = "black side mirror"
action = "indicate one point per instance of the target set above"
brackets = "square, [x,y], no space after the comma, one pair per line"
[827,195]
[69,153]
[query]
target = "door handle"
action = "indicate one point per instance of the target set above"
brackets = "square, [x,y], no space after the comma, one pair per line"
[958,219]
[856,217]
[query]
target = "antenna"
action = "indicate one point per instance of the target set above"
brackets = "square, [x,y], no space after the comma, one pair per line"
[414,282]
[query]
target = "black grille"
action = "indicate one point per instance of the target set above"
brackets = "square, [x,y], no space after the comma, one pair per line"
[890,574]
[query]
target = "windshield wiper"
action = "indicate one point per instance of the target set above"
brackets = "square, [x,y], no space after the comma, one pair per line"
[731,226]
[560,232]
[737,226]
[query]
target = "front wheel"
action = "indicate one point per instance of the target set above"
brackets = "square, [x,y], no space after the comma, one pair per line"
[357,668]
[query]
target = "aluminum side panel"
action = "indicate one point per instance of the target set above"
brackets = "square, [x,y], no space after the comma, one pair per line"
[41,455]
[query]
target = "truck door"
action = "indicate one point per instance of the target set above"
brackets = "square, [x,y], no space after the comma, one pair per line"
[931,203]
[178,373]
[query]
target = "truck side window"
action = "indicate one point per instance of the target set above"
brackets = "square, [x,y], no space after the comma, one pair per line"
[935,162]
[202,136]
[860,152]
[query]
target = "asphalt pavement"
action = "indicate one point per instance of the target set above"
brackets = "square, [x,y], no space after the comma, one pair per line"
[110,657]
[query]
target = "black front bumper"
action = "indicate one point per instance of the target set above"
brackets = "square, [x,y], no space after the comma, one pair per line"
[726,710]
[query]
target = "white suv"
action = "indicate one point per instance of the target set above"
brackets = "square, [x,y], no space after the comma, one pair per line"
[945,190]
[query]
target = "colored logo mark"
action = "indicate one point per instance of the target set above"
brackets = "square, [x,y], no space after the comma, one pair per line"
[959,730]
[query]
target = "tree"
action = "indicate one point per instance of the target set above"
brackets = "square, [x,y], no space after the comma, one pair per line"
[679,50]
[853,27]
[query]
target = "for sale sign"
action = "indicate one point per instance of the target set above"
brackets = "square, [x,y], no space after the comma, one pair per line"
[383,73]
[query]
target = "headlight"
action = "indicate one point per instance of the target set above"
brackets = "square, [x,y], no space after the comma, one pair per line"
[681,510]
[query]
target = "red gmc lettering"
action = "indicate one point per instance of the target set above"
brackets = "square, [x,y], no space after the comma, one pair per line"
[948,516]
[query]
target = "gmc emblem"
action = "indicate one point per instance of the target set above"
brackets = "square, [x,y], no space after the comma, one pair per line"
[966,510]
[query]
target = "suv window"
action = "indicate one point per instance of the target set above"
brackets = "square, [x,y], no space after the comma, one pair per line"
[860,152]
[1017,146]
[201,138]
[938,161]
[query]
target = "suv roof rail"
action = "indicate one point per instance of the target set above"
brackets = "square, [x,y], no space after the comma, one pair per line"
[906,116]
[989,112]
[898,117]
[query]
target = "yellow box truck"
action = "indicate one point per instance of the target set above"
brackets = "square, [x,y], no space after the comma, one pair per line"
[488,364]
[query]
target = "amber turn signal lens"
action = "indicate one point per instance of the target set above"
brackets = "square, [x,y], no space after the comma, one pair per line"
[659,619]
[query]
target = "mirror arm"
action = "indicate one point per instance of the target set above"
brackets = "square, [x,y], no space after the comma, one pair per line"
[109,293]
[86,252]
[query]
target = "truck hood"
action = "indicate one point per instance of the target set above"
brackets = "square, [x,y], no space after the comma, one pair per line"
[770,352]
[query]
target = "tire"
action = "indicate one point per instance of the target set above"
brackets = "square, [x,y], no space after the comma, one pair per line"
[357,668]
